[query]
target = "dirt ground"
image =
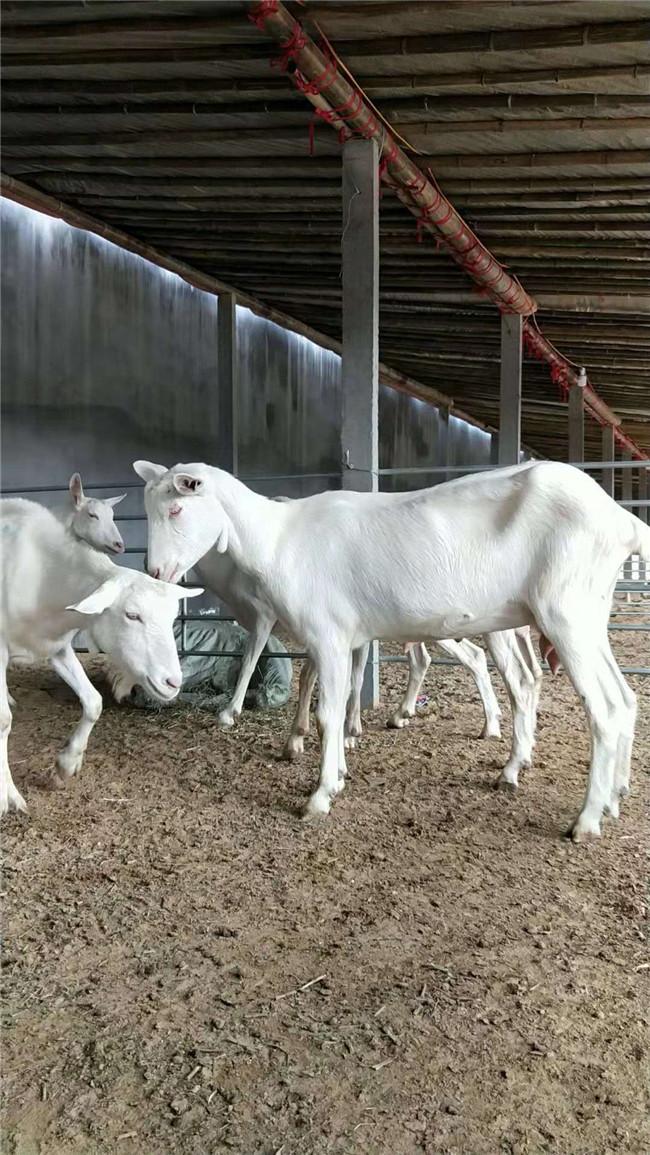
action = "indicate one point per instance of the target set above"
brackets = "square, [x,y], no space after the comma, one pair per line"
[190,968]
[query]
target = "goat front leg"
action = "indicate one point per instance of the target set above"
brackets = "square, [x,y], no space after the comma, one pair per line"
[333,666]
[67,665]
[10,797]
[419,662]
[353,727]
[295,743]
[257,640]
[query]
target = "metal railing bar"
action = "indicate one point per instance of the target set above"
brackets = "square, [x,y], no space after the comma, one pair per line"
[140,484]
[383,472]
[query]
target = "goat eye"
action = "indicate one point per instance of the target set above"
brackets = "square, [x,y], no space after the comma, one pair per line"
[174,510]
[94,516]
[133,617]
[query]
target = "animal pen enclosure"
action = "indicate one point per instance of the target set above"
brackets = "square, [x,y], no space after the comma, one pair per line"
[197,265]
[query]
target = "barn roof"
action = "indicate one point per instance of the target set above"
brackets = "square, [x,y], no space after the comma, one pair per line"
[170,122]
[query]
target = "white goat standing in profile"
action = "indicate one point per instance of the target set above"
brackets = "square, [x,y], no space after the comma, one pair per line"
[52,587]
[535,544]
[219,573]
[511,651]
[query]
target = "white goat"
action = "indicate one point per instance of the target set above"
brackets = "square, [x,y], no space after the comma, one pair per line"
[219,573]
[91,519]
[51,588]
[513,655]
[539,543]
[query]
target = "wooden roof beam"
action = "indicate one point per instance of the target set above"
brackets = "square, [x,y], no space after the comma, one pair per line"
[308,167]
[76,126]
[443,110]
[229,35]
[631,80]
[508,40]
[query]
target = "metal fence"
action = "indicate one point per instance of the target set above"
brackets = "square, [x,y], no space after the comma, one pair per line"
[631,597]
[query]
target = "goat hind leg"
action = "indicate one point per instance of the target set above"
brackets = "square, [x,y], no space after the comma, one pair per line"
[295,743]
[519,683]
[474,660]
[333,666]
[419,662]
[353,727]
[624,710]
[583,654]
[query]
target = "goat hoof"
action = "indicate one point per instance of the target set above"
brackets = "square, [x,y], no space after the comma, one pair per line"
[293,749]
[583,830]
[493,731]
[612,808]
[397,722]
[350,742]
[69,764]
[13,801]
[623,791]
[505,785]
[225,719]
[17,802]
[318,805]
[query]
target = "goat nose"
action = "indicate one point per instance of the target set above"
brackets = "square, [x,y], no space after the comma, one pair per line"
[119,546]
[155,573]
[172,683]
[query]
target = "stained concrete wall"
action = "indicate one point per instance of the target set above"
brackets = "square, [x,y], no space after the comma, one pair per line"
[289,407]
[106,358]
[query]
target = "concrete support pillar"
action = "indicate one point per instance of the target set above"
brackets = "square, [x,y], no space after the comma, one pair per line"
[576,424]
[609,454]
[510,398]
[360,360]
[627,494]
[228,434]
[444,446]
[643,512]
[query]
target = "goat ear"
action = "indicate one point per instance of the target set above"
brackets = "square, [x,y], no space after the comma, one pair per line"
[76,489]
[148,471]
[188,591]
[100,599]
[186,483]
[114,500]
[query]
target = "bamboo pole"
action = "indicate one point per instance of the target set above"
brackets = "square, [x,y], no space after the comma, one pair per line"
[328,91]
